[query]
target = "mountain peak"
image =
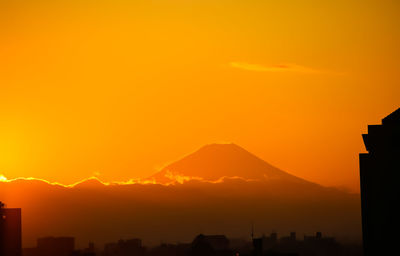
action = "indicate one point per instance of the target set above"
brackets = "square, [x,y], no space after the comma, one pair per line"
[214,161]
[220,147]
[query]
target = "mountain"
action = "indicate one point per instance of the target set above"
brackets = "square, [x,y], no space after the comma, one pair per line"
[221,189]
[215,161]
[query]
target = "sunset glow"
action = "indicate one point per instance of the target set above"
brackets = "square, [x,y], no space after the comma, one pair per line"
[123,88]
[199,127]
[3,179]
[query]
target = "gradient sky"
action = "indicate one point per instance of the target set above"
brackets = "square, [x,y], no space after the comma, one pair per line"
[119,88]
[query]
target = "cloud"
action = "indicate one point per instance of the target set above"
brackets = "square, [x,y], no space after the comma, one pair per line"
[174,179]
[289,67]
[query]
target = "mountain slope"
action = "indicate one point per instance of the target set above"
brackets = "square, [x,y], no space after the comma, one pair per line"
[215,161]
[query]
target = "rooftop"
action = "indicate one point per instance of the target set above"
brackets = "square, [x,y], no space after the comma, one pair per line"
[393,118]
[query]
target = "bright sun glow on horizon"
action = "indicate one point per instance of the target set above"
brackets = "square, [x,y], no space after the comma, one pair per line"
[3,178]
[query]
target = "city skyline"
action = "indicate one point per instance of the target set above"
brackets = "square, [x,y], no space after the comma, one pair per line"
[201,245]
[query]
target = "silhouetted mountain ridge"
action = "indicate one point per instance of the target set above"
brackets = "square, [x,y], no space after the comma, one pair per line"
[215,161]
[89,183]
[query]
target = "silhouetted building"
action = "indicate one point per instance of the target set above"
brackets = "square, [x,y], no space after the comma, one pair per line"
[90,248]
[89,251]
[379,169]
[181,249]
[55,246]
[241,245]
[210,245]
[217,242]
[32,251]
[269,241]
[318,238]
[321,245]
[258,246]
[271,246]
[10,231]
[289,239]
[124,248]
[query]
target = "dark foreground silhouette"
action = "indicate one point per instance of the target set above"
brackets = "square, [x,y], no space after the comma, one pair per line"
[202,245]
[380,193]
[10,231]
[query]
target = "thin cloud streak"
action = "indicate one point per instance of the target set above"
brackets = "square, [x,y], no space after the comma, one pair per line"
[274,68]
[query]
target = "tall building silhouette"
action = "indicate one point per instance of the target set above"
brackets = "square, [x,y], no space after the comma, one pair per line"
[379,169]
[10,231]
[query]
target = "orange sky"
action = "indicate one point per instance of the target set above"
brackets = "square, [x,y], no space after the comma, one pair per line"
[120,88]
